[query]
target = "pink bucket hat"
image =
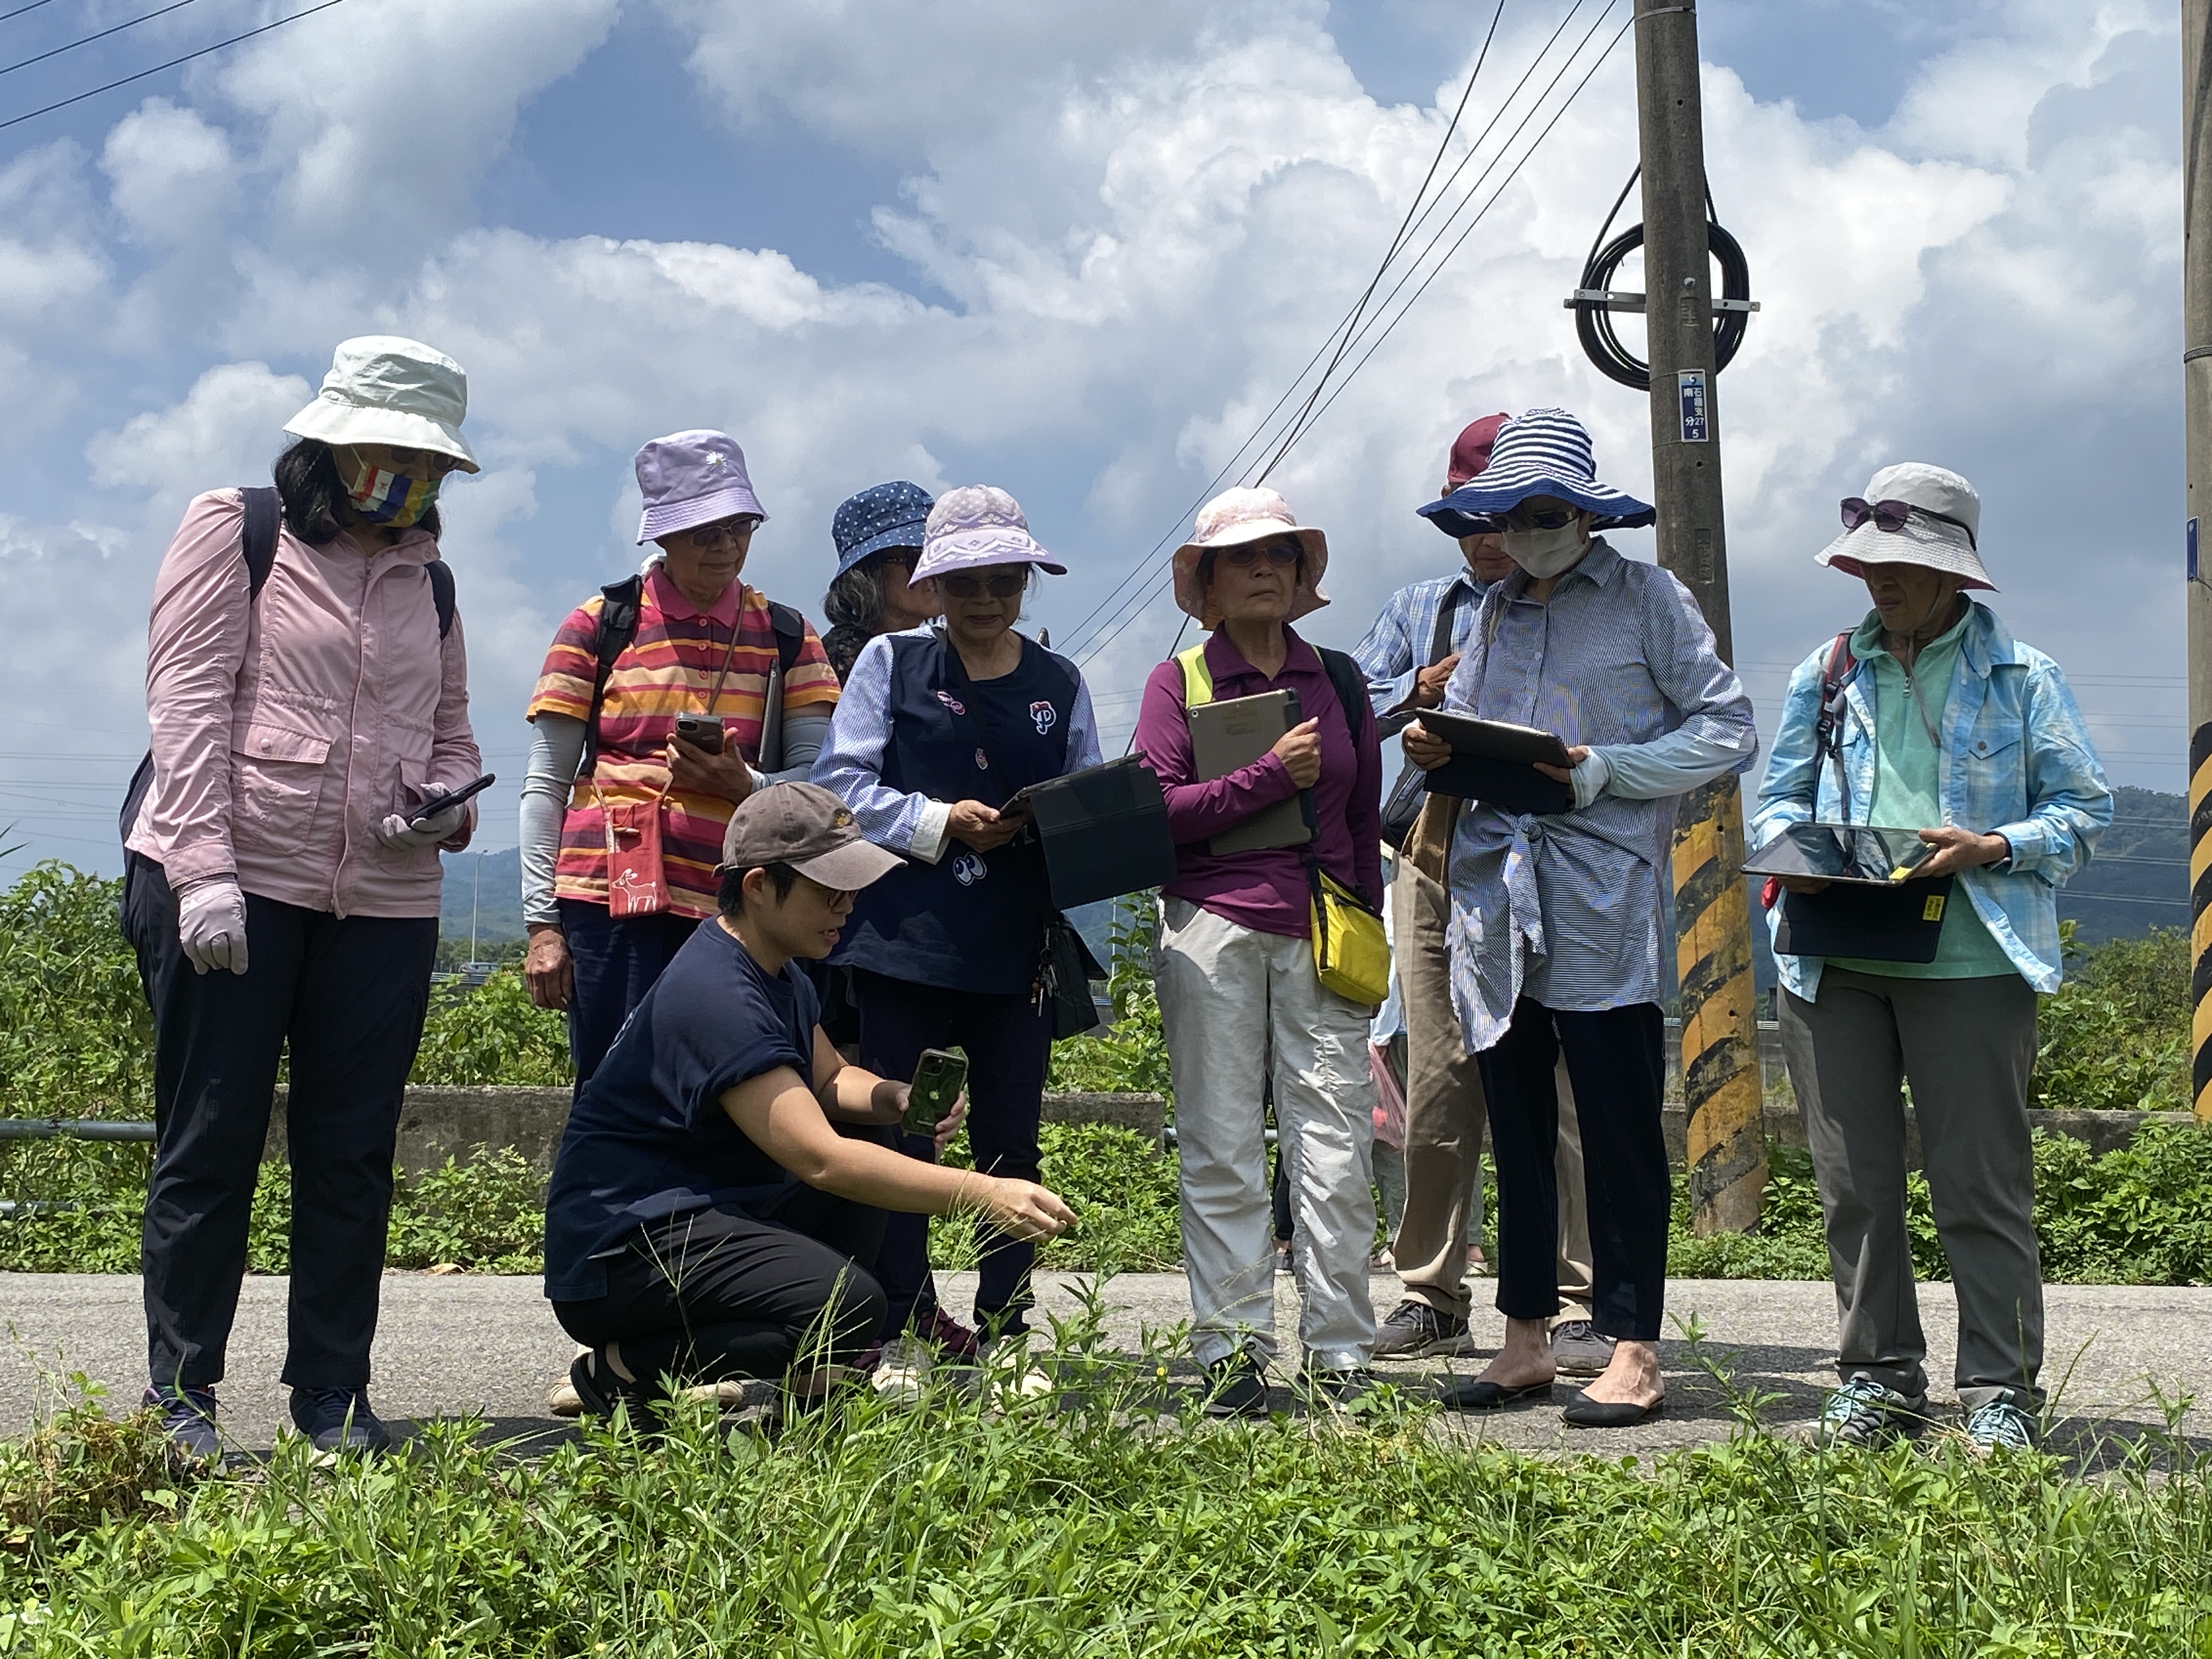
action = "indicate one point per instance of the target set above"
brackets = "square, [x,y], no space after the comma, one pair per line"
[1247,515]
[691,479]
[978,525]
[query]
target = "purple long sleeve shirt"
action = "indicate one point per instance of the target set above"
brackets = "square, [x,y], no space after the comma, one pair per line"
[1267,892]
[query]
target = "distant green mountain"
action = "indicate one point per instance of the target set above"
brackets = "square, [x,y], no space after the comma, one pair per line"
[492,881]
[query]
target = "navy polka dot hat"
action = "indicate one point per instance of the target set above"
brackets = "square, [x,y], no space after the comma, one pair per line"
[882,515]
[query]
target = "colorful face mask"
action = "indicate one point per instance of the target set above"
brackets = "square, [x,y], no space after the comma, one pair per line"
[391,498]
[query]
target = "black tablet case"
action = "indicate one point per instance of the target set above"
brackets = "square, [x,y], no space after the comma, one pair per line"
[1104,830]
[1903,923]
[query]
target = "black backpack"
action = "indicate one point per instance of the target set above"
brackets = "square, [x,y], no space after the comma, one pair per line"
[618,611]
[256,541]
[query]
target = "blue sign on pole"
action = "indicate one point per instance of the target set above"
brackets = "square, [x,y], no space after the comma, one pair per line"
[2192,550]
[1697,424]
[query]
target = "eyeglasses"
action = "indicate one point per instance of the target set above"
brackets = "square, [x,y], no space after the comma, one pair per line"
[1002,587]
[1551,519]
[904,557]
[1244,555]
[1890,517]
[737,529]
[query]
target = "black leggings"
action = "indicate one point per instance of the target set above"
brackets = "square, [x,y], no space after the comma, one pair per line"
[711,1294]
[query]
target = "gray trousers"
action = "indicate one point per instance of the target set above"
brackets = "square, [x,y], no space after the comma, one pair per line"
[1965,1046]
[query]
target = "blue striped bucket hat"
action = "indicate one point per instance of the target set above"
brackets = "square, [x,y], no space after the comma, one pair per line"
[1545,451]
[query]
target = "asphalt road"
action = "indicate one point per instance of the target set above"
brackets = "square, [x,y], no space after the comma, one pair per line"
[468,1346]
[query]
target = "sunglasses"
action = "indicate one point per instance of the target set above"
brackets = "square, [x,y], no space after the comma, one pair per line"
[1004,586]
[1890,517]
[1551,519]
[1245,554]
[737,529]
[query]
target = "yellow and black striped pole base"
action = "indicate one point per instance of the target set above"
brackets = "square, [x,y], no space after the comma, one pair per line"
[1721,1087]
[2200,921]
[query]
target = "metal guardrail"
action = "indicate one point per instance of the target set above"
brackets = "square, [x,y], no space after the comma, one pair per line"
[74,1129]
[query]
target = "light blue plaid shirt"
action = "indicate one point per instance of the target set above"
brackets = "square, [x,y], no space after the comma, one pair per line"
[2016,761]
[1564,907]
[1397,647]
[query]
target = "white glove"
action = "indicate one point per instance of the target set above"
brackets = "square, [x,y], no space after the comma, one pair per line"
[212,925]
[397,834]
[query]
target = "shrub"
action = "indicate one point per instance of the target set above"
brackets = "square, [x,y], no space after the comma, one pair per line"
[76,1037]
[493,1033]
[2115,1037]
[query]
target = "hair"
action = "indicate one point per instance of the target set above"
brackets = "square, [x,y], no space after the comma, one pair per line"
[731,898]
[1297,570]
[315,505]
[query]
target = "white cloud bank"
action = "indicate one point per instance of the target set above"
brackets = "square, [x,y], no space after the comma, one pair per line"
[1136,223]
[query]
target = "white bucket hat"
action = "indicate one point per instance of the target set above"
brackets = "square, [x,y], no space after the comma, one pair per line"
[384,390]
[1941,523]
[1247,515]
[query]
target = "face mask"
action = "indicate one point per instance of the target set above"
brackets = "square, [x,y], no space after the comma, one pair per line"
[1544,553]
[382,497]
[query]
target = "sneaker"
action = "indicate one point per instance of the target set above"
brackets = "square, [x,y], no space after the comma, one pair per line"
[1414,1330]
[2002,1426]
[1865,1413]
[902,1374]
[1580,1349]
[188,1418]
[1010,1370]
[338,1421]
[1343,1389]
[1236,1387]
[952,1339]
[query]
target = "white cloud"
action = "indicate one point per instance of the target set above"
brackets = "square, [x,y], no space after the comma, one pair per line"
[226,431]
[171,174]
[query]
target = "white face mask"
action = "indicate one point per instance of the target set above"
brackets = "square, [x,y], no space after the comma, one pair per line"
[1544,553]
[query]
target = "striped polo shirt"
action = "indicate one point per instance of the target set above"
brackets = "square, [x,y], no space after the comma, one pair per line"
[667,670]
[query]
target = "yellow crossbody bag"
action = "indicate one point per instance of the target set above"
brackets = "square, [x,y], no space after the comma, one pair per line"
[1351,953]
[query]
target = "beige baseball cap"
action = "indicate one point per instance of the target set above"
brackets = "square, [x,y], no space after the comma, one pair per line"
[808,828]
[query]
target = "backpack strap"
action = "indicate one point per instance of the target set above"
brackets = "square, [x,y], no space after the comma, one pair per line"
[619,603]
[441,594]
[1828,725]
[1446,614]
[790,629]
[1350,687]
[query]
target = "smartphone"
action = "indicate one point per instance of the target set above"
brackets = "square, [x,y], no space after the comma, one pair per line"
[437,803]
[700,732]
[938,1077]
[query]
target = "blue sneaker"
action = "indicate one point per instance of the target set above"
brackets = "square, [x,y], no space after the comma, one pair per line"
[339,1420]
[188,1418]
[1863,1413]
[2002,1426]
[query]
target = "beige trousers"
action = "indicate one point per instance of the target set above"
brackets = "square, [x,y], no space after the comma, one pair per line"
[1444,1118]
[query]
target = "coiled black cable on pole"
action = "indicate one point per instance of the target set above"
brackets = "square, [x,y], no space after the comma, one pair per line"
[1595,302]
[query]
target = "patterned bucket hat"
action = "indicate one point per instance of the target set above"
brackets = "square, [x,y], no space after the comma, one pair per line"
[882,515]
[1247,515]
[1545,451]
[979,525]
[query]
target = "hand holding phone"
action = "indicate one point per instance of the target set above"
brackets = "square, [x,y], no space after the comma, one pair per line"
[451,797]
[938,1077]
[701,731]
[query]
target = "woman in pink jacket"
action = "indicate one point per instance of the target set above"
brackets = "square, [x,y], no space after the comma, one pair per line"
[307,688]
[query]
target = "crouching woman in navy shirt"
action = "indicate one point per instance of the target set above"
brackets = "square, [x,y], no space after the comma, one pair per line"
[938,728]
[705,1219]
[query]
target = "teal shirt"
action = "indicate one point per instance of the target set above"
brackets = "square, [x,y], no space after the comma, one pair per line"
[1907,794]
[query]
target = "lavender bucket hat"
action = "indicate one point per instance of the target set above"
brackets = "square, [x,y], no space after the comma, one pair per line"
[691,479]
[975,526]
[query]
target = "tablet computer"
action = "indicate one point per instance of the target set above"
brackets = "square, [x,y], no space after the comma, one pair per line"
[1851,853]
[1226,737]
[1495,740]
[1493,761]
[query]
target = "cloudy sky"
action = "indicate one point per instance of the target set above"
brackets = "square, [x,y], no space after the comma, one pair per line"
[1076,252]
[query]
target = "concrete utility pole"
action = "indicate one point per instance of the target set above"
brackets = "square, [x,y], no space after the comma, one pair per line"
[2197,448]
[1721,1085]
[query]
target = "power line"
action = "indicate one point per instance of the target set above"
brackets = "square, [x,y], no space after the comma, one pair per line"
[20,10]
[31,115]
[173,5]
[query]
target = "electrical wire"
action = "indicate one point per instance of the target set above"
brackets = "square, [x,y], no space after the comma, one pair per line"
[173,5]
[20,10]
[31,115]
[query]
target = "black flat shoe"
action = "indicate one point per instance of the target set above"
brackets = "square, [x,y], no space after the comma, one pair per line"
[1585,1412]
[1482,1396]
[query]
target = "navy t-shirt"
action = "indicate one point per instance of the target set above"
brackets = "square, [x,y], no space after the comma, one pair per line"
[649,1137]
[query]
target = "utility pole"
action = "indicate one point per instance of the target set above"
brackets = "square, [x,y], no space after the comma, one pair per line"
[2196,449]
[1721,1085]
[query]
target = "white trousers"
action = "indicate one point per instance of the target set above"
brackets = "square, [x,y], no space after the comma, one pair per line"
[1238,1006]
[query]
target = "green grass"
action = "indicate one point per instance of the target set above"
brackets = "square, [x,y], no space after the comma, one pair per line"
[1106,1527]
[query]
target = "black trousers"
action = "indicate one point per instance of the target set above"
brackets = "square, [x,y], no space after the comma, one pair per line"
[616,960]
[1617,1064]
[1008,1042]
[347,997]
[711,1294]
